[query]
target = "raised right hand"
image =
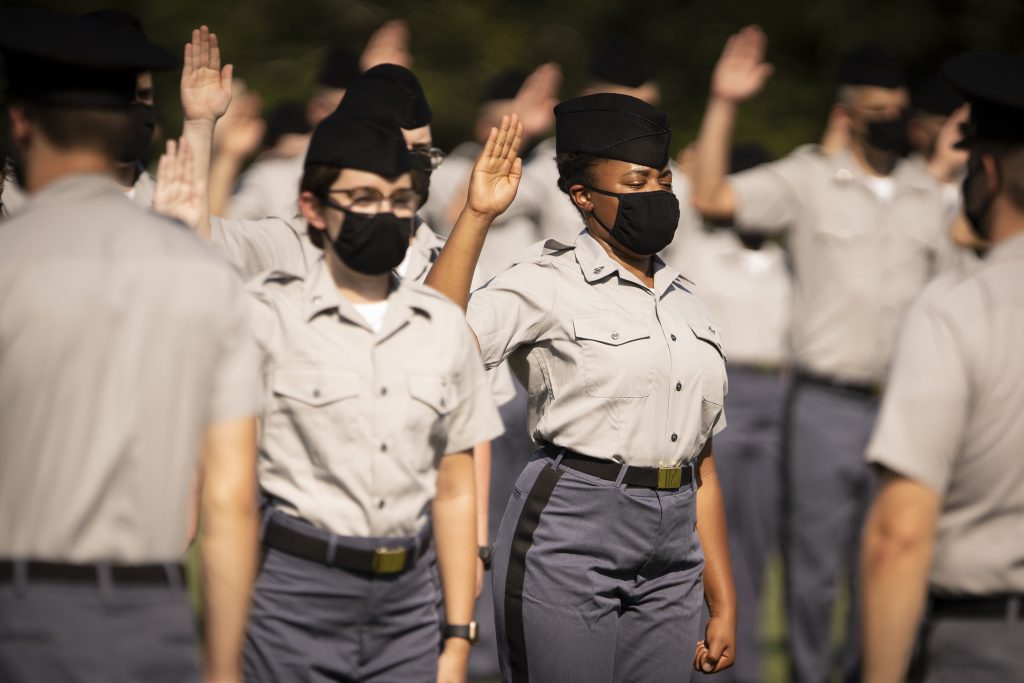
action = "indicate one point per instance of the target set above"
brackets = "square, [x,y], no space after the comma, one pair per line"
[741,70]
[498,171]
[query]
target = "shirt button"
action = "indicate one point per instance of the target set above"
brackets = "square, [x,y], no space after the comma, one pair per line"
[615,335]
[679,386]
[317,299]
[675,437]
[383,448]
[673,337]
[380,503]
[383,391]
[316,392]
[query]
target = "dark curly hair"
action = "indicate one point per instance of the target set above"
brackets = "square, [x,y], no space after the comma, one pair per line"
[575,168]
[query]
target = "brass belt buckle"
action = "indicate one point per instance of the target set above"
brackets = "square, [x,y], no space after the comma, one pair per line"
[670,477]
[389,560]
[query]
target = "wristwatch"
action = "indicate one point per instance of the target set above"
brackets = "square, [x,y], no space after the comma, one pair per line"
[467,631]
[486,553]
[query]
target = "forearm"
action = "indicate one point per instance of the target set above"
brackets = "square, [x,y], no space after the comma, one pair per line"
[719,589]
[452,273]
[482,472]
[711,192]
[894,575]
[224,170]
[199,134]
[454,511]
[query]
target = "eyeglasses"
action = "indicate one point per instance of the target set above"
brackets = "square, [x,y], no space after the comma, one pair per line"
[368,200]
[427,158]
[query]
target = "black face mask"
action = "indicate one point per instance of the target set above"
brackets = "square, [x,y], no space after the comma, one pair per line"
[372,243]
[977,210]
[138,146]
[889,135]
[646,222]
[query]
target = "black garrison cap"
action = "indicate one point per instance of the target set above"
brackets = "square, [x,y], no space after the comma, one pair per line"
[359,139]
[617,60]
[340,67]
[993,84]
[116,17]
[934,95]
[613,126]
[871,65]
[391,88]
[69,60]
[503,86]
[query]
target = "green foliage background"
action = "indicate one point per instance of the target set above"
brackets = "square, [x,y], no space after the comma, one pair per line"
[276,45]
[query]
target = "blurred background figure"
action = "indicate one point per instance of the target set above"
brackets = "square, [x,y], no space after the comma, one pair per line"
[744,280]
[126,366]
[864,232]
[943,556]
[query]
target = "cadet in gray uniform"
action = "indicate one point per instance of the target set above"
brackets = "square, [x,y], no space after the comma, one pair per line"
[864,232]
[944,537]
[745,282]
[126,350]
[600,559]
[375,399]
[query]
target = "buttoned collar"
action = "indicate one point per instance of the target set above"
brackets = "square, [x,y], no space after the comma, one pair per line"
[596,265]
[1008,250]
[320,294]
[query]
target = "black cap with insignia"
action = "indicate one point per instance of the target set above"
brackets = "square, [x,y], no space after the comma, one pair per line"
[993,84]
[619,61]
[81,63]
[613,126]
[340,67]
[871,65]
[362,140]
[391,88]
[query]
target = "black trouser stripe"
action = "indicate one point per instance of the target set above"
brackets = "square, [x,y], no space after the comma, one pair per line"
[535,503]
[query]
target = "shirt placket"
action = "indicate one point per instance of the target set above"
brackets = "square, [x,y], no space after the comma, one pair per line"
[670,438]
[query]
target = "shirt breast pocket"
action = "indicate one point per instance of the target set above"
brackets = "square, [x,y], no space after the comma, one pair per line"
[616,353]
[433,398]
[307,395]
[712,379]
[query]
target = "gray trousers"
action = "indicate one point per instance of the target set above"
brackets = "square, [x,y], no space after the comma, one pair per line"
[959,650]
[509,455]
[312,622]
[63,632]
[594,581]
[747,458]
[827,488]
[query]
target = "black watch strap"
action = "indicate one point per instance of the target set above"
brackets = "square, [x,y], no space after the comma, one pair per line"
[486,554]
[467,631]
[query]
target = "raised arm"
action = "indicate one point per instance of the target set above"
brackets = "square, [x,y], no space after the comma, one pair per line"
[492,188]
[205,95]
[738,76]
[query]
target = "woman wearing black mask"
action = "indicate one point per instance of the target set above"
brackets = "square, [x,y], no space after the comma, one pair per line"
[375,396]
[617,524]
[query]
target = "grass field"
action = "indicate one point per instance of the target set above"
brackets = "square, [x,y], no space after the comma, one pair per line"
[774,662]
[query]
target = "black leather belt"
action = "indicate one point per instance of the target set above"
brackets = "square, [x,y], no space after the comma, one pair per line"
[391,560]
[660,478]
[754,368]
[1001,607]
[863,388]
[96,574]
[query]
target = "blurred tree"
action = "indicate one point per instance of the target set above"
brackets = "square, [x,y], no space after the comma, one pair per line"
[276,46]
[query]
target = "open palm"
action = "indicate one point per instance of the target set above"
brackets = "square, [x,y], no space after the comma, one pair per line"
[177,194]
[499,169]
[205,85]
[741,70]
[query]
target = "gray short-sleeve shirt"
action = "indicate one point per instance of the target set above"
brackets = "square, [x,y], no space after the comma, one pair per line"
[613,369]
[952,420]
[122,337]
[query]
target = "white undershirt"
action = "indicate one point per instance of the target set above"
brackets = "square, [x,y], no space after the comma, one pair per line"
[883,187]
[373,313]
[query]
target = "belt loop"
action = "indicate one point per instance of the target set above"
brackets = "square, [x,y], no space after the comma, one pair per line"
[693,475]
[622,475]
[558,459]
[268,512]
[332,544]
[105,579]
[173,577]
[1013,608]
[20,571]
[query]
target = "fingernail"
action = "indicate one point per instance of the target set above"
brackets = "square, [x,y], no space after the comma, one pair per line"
[708,667]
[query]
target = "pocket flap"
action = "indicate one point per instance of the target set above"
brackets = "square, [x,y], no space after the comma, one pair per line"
[316,386]
[611,330]
[434,390]
[707,332]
